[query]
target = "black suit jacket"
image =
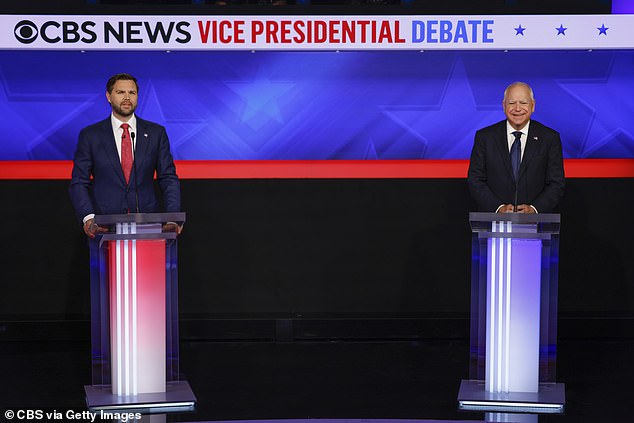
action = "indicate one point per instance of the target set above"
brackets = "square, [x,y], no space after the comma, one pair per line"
[98,185]
[541,176]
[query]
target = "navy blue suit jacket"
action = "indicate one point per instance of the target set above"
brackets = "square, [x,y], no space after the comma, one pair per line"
[98,185]
[541,176]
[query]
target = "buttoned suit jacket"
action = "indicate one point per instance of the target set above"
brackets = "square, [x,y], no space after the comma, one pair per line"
[541,180]
[98,185]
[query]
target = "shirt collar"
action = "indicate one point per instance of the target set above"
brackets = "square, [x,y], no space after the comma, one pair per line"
[116,123]
[524,130]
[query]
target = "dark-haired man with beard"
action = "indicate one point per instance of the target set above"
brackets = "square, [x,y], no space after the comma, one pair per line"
[116,160]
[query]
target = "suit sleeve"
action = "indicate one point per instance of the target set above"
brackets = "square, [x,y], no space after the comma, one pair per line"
[554,183]
[80,182]
[477,178]
[166,175]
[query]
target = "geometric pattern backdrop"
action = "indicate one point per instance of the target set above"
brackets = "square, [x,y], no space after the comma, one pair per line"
[274,105]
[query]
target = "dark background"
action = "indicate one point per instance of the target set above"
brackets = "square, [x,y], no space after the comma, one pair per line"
[313,259]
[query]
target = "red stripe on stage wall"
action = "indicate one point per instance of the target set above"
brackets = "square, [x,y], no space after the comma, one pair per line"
[325,169]
[320,169]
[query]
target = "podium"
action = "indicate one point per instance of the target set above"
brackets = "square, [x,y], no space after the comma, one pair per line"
[514,271]
[134,316]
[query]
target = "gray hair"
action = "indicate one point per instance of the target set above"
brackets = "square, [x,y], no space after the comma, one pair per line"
[520,83]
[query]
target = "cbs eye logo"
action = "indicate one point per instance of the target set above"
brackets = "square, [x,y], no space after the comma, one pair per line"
[25,32]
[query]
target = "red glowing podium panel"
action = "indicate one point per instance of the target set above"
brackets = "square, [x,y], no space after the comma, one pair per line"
[137,315]
[134,300]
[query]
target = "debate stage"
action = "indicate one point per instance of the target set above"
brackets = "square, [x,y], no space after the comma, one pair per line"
[325,379]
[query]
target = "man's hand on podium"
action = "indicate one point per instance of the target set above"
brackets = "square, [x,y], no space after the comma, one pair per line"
[172,227]
[525,208]
[521,208]
[91,229]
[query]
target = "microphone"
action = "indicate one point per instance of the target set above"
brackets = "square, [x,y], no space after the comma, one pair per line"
[515,200]
[136,183]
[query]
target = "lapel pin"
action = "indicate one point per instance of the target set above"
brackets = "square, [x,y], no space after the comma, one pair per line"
[145,135]
[535,138]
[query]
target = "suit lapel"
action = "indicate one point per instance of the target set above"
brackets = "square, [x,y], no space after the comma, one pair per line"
[140,148]
[111,149]
[532,146]
[503,148]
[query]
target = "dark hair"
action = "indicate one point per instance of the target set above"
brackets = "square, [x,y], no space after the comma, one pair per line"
[120,77]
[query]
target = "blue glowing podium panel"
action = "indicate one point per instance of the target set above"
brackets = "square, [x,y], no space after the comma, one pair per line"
[514,304]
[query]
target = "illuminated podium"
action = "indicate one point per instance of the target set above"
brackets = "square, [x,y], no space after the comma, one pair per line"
[134,316]
[513,314]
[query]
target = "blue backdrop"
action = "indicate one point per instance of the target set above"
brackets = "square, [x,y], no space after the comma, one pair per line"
[318,105]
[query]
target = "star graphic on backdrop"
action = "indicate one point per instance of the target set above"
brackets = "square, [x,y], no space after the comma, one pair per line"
[180,129]
[260,99]
[519,30]
[39,126]
[561,30]
[610,131]
[370,152]
[603,30]
[446,129]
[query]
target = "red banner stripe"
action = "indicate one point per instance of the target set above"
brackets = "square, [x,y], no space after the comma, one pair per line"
[319,169]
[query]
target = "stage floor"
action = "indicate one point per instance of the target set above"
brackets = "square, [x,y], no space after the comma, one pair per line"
[324,380]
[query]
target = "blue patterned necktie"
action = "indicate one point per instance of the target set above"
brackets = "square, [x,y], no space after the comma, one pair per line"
[516,154]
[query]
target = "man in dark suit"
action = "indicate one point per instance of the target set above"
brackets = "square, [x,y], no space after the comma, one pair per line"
[517,165]
[104,178]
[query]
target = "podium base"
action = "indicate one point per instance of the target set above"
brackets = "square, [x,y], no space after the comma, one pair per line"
[549,400]
[177,397]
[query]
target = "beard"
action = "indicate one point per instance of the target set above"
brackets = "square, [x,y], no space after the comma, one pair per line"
[123,112]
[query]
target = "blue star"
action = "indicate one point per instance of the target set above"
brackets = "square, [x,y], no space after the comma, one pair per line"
[428,123]
[370,153]
[561,30]
[519,30]
[610,129]
[183,127]
[40,124]
[603,30]
[261,97]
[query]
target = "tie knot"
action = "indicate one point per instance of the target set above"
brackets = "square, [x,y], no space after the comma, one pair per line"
[125,126]
[517,134]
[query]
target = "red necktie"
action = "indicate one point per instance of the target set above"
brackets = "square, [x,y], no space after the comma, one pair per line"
[126,152]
